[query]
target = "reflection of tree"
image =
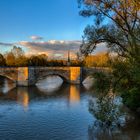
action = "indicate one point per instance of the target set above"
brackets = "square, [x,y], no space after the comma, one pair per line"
[99,133]
[128,132]
[105,110]
[104,107]
[112,122]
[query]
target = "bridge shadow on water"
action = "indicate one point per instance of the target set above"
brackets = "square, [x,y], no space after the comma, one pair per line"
[26,95]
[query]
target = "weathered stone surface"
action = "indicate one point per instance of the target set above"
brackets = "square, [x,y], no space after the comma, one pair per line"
[28,76]
[9,72]
[22,79]
[75,75]
[86,71]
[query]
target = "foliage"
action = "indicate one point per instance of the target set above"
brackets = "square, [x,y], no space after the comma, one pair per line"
[102,83]
[40,60]
[10,59]
[97,60]
[76,63]
[21,61]
[105,110]
[17,51]
[57,63]
[104,107]
[17,57]
[116,23]
[2,60]
[126,74]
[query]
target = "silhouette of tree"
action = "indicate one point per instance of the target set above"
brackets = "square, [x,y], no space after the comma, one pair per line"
[116,22]
[10,59]
[2,60]
[40,60]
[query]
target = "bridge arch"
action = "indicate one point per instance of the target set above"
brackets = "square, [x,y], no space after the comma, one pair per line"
[28,76]
[8,77]
[64,78]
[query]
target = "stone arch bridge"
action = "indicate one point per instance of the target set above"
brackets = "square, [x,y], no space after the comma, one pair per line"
[28,76]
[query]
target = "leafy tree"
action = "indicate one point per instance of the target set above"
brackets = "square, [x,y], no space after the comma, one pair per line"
[40,60]
[2,60]
[97,60]
[10,59]
[17,51]
[116,22]
[22,61]
[16,57]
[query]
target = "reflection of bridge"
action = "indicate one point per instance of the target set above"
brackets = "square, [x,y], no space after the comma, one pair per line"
[28,76]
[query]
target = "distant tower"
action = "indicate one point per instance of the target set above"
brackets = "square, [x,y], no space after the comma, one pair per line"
[68,61]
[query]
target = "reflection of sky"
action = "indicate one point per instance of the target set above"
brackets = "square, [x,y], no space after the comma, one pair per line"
[49,84]
[54,119]
[7,85]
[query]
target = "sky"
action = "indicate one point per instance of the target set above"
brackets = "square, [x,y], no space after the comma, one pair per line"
[41,26]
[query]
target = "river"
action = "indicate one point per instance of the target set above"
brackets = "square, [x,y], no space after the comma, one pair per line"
[36,113]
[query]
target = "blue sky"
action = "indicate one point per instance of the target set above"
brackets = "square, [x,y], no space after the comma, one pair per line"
[41,26]
[51,19]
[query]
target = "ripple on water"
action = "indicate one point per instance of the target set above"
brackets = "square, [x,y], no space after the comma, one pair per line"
[62,116]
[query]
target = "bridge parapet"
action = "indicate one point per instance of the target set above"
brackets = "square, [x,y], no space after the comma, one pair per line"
[28,76]
[88,71]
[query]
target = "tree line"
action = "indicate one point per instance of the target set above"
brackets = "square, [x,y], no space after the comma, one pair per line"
[16,57]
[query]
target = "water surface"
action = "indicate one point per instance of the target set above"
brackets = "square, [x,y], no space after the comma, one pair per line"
[34,114]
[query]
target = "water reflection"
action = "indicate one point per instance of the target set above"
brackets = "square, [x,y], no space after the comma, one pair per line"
[50,83]
[23,97]
[6,84]
[74,94]
[88,82]
[62,114]
[129,132]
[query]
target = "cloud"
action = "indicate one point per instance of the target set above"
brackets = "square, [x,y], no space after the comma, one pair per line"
[100,48]
[52,44]
[6,44]
[53,48]
[36,38]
